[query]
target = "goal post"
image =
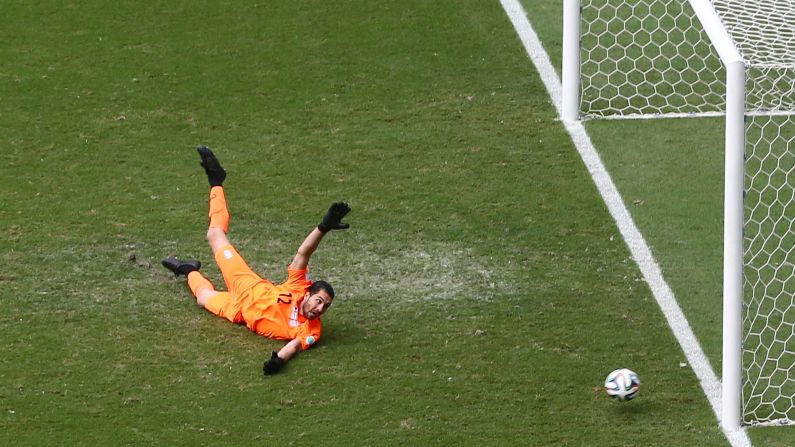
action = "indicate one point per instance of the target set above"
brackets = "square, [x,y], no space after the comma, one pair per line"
[643,59]
[570,78]
[733,211]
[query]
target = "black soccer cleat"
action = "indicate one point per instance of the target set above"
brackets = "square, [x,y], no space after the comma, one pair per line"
[181,267]
[215,173]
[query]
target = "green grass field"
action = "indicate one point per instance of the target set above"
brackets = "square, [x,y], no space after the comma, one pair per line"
[483,290]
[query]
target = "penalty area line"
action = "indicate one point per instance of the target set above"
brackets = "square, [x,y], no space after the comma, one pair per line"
[640,251]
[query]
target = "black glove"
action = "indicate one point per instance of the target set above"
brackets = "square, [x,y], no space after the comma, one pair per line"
[215,173]
[273,365]
[331,221]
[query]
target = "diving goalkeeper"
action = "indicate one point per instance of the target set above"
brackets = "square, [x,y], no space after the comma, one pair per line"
[289,311]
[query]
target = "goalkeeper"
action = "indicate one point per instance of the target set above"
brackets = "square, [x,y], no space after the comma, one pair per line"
[289,311]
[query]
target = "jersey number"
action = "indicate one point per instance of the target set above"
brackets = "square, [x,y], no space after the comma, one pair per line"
[288,301]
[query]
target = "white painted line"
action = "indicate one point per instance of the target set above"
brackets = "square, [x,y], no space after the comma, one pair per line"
[637,244]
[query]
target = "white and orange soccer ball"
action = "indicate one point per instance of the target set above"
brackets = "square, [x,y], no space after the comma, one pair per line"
[622,384]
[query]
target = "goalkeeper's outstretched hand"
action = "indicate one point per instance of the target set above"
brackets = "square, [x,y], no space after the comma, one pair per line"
[215,173]
[273,365]
[333,218]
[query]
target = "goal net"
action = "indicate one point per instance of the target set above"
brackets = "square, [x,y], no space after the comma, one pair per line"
[667,58]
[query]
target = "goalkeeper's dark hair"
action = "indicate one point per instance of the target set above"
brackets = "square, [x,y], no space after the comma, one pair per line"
[317,286]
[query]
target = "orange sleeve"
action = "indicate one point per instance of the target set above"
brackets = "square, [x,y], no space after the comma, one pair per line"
[309,333]
[297,279]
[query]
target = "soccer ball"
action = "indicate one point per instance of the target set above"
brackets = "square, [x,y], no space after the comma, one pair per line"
[622,384]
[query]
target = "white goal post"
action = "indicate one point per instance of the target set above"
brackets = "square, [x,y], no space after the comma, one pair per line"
[639,59]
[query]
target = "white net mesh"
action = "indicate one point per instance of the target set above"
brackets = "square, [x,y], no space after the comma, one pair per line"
[764,32]
[648,58]
[762,29]
[769,270]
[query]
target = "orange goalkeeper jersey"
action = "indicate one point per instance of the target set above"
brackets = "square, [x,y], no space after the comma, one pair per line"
[273,310]
[268,309]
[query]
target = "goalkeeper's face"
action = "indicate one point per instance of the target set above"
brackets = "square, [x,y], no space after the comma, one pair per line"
[315,305]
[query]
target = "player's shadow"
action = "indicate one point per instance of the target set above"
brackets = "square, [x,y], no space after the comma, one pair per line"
[634,411]
[342,333]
